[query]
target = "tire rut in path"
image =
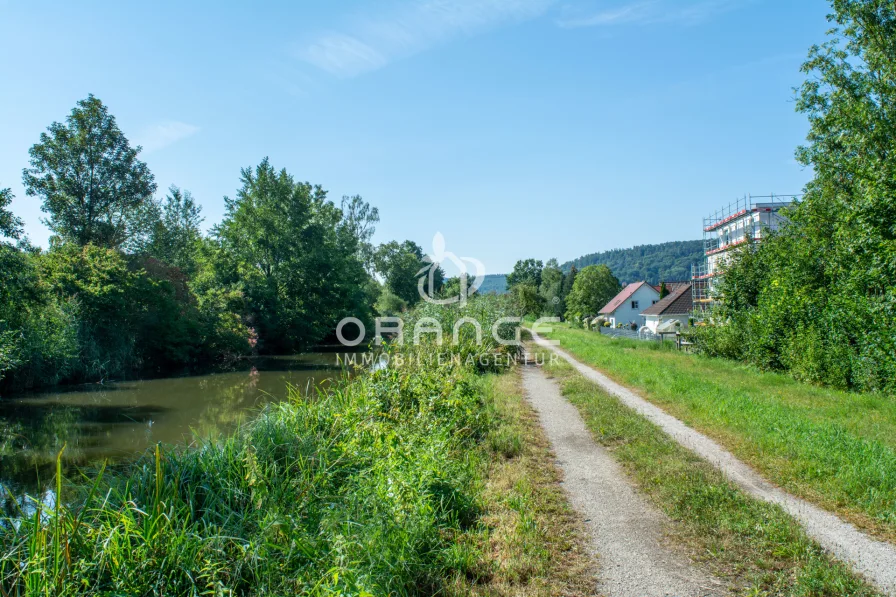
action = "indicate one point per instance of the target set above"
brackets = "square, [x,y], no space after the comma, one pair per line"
[625,531]
[874,559]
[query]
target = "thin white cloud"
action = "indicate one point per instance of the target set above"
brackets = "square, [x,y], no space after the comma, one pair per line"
[162,134]
[374,41]
[646,12]
[343,55]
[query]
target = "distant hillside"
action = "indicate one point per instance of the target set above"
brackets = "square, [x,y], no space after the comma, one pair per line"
[494,283]
[654,263]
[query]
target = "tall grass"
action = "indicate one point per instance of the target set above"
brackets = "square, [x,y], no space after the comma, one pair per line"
[361,490]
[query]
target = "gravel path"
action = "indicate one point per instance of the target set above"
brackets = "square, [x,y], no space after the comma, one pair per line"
[874,559]
[625,531]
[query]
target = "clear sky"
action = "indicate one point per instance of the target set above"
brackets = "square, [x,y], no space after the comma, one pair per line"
[517,128]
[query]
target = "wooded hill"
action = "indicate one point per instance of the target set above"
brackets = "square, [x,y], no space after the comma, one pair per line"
[653,263]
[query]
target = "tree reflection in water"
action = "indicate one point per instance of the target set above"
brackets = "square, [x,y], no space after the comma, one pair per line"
[117,422]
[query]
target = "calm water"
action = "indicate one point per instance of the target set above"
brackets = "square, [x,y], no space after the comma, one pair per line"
[119,421]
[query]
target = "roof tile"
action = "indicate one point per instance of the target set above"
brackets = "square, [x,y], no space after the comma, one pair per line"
[677,302]
[621,297]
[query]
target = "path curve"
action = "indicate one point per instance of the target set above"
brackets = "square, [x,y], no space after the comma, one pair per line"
[625,530]
[875,560]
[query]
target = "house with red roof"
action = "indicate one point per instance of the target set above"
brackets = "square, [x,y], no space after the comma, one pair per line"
[626,307]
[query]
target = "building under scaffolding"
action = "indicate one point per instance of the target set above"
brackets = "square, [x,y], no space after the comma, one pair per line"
[742,221]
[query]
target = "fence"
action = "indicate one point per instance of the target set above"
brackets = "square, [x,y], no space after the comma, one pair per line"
[634,335]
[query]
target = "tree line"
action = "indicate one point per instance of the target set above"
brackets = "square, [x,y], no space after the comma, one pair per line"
[818,299]
[130,285]
[540,288]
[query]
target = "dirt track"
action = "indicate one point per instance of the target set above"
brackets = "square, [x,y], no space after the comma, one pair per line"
[874,559]
[625,531]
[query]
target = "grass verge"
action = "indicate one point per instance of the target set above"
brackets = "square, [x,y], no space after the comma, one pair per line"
[834,448]
[756,546]
[529,542]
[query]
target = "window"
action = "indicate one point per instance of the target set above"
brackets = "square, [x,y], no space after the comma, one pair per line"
[634,304]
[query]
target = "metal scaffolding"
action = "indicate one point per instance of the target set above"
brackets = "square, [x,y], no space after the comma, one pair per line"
[741,221]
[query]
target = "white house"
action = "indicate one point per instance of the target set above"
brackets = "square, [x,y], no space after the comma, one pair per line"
[626,307]
[676,306]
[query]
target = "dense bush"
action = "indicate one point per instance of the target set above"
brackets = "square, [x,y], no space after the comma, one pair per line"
[87,313]
[818,299]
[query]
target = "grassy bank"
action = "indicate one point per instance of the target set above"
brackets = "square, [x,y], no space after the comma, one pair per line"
[360,491]
[834,448]
[757,547]
[387,484]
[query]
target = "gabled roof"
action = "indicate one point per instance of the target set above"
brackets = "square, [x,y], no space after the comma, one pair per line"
[623,296]
[677,302]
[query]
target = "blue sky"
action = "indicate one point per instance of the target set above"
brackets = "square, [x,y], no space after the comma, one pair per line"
[517,128]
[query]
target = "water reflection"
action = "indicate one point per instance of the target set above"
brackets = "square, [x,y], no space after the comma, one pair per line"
[118,421]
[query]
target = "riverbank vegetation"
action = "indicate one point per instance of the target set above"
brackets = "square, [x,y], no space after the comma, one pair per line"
[756,547]
[383,485]
[131,286]
[834,448]
[817,299]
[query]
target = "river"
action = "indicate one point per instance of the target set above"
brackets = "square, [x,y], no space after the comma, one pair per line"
[116,422]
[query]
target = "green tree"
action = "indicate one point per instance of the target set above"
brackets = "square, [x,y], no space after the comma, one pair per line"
[551,289]
[569,280]
[93,187]
[525,271]
[593,288]
[401,264]
[653,263]
[285,245]
[389,304]
[10,225]
[527,299]
[818,299]
[359,219]
[664,292]
[175,235]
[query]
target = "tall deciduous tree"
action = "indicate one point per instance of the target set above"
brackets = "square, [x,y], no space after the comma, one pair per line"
[818,298]
[593,288]
[569,280]
[400,265]
[283,242]
[551,289]
[10,225]
[176,232]
[359,220]
[93,187]
[525,271]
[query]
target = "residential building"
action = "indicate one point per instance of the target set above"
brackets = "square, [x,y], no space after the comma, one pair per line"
[677,306]
[746,220]
[626,306]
